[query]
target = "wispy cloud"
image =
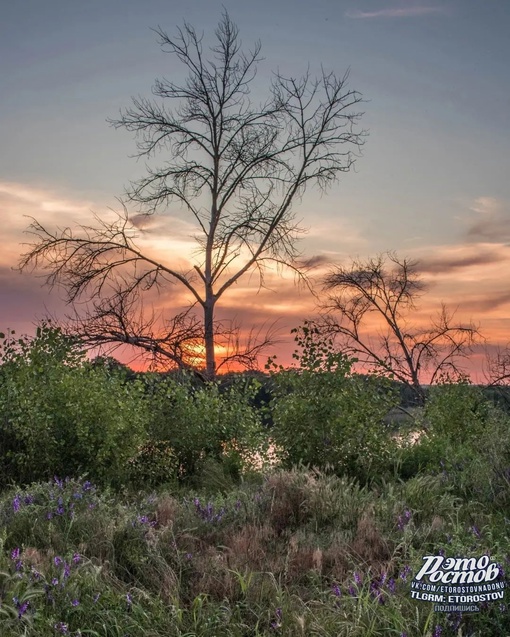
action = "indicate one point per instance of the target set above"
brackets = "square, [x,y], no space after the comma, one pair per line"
[492,222]
[449,263]
[19,202]
[402,12]
[488,302]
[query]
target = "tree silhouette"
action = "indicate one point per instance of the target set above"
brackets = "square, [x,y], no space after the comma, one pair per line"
[235,168]
[388,287]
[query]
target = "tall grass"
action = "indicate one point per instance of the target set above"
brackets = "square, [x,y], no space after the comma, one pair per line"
[292,553]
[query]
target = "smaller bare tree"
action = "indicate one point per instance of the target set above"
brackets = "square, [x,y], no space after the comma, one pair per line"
[388,287]
[497,366]
[496,370]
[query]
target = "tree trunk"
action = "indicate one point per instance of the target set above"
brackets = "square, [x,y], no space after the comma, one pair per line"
[210,361]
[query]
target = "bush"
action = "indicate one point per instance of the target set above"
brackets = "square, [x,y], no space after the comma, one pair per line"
[326,416]
[203,423]
[155,463]
[456,411]
[61,415]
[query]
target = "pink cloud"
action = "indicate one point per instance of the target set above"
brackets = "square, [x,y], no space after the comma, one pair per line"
[403,12]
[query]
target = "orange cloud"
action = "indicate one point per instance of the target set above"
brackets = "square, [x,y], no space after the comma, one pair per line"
[467,276]
[24,299]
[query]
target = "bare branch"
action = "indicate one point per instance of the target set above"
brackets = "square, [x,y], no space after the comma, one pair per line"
[236,168]
[388,287]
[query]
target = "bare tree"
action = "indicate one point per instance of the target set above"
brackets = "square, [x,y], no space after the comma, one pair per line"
[235,168]
[388,287]
[497,366]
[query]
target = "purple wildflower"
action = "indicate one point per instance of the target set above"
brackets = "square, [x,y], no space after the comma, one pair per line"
[87,485]
[22,608]
[76,558]
[75,602]
[376,592]
[278,622]
[336,590]
[404,573]
[16,503]
[15,553]
[392,585]
[404,519]
[54,581]
[457,622]
[28,499]
[437,631]
[57,560]
[62,628]
[67,570]
[357,578]
[59,483]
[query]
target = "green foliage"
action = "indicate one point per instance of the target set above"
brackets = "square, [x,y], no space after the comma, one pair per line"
[48,515]
[325,415]
[292,552]
[302,553]
[61,415]
[456,411]
[200,423]
[49,343]
[155,463]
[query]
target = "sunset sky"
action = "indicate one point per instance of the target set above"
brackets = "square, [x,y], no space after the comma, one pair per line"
[433,182]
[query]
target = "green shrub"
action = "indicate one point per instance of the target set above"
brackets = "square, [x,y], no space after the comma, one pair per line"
[61,415]
[324,415]
[457,411]
[202,423]
[155,463]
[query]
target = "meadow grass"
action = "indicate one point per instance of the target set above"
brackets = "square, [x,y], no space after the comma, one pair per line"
[295,552]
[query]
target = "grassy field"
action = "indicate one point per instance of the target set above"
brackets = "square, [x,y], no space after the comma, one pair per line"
[286,553]
[166,528]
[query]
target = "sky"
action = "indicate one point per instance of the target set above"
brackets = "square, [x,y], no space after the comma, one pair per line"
[432,183]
